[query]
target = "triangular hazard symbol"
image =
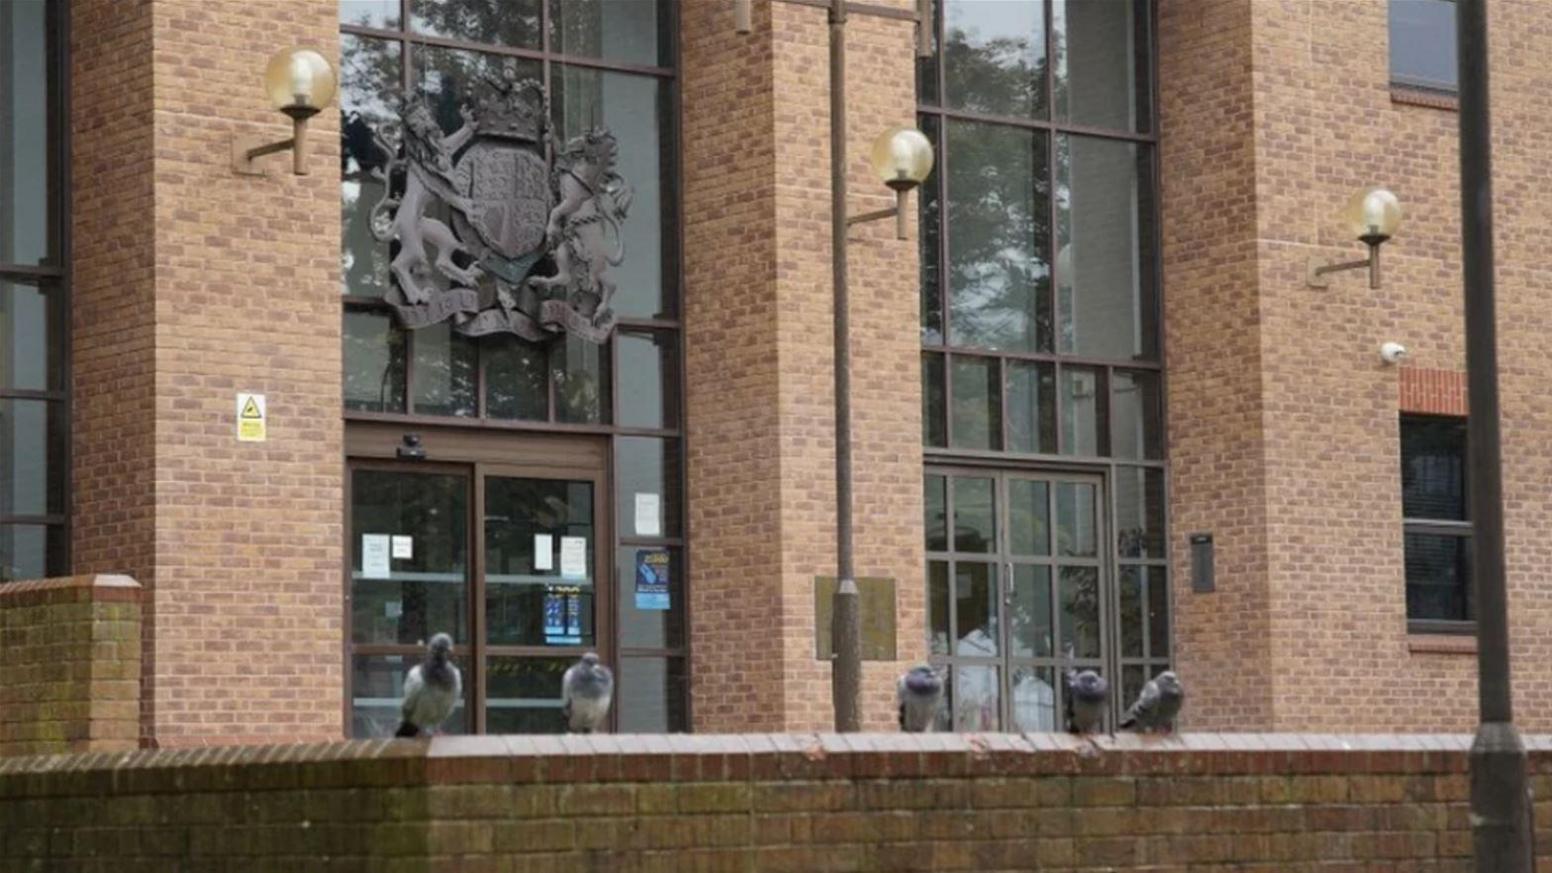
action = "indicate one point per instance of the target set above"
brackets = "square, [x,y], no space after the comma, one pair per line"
[251,409]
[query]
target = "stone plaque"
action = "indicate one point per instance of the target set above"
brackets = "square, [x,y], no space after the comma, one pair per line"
[878,617]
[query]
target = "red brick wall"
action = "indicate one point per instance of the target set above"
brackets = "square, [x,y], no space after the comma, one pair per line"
[1206,803]
[1432,392]
[71,676]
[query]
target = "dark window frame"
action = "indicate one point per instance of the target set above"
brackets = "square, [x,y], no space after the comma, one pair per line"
[672,431]
[1459,528]
[52,277]
[1407,81]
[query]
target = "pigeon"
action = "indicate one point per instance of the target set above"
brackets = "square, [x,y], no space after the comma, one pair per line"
[585,693]
[431,689]
[919,692]
[1157,705]
[1089,693]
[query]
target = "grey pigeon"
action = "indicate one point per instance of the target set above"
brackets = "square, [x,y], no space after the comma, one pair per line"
[431,689]
[1089,693]
[585,693]
[919,692]
[1157,705]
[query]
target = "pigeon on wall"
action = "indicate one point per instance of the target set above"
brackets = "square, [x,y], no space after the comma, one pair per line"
[1089,693]
[431,689]
[919,692]
[586,691]
[1157,705]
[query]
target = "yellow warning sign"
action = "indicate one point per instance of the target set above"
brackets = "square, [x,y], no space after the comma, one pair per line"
[250,418]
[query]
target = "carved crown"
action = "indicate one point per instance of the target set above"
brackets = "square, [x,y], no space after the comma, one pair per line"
[511,108]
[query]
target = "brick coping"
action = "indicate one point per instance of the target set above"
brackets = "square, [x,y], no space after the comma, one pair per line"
[102,586]
[737,757]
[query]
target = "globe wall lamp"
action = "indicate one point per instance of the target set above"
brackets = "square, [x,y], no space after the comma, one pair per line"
[902,158]
[299,83]
[1373,215]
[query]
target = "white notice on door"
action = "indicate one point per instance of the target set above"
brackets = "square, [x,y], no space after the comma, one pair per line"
[573,557]
[374,556]
[544,552]
[403,547]
[648,505]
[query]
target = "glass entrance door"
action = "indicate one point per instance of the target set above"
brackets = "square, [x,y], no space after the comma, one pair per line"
[511,561]
[1018,593]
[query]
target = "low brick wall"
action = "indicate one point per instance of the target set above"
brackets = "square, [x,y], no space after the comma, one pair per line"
[758,802]
[69,665]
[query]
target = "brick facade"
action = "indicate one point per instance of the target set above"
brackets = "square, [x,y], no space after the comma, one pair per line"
[71,654]
[1207,803]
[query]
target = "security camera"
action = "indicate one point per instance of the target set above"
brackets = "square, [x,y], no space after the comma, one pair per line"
[1392,353]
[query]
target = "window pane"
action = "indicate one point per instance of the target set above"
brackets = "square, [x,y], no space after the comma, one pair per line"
[1029,613]
[977,693]
[649,379]
[516,378]
[933,412]
[651,695]
[581,373]
[374,363]
[636,110]
[1422,43]
[994,56]
[1104,259]
[1136,415]
[1077,531]
[977,420]
[26,220]
[975,595]
[377,689]
[31,337]
[446,365]
[1132,619]
[1433,468]
[455,79]
[975,518]
[31,457]
[504,22]
[1438,577]
[1031,407]
[523,695]
[369,84]
[1029,517]
[1034,699]
[1079,593]
[1083,412]
[937,606]
[382,14]
[427,593]
[928,216]
[1158,611]
[999,238]
[1139,512]
[31,551]
[528,602]
[1101,63]
[650,606]
[646,467]
[630,31]
[936,521]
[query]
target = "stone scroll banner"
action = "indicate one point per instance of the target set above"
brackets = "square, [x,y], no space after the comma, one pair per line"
[762,802]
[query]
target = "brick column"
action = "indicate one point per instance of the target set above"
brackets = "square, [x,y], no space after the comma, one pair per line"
[759,317]
[192,284]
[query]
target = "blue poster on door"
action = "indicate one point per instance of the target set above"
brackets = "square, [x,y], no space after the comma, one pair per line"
[652,579]
[562,615]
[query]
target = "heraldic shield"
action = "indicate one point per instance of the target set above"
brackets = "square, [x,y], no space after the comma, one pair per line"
[525,247]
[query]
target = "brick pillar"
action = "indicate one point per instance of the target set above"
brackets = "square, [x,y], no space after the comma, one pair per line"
[191,284]
[759,317]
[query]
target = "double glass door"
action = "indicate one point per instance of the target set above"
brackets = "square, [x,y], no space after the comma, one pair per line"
[505,559]
[1019,591]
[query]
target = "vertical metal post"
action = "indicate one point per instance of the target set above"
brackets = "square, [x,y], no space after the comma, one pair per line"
[846,617]
[1499,812]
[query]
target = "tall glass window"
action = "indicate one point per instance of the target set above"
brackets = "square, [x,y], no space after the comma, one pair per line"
[34,398]
[601,63]
[1039,316]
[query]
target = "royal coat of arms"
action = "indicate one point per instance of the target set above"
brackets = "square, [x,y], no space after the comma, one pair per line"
[487,234]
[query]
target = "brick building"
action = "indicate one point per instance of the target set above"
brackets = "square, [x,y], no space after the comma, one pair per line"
[1096,348]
